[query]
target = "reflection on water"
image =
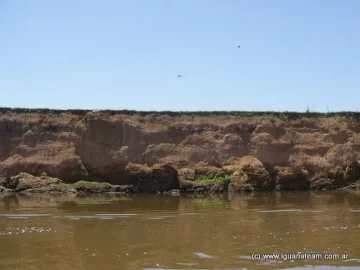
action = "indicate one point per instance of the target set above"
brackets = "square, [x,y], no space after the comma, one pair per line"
[178,232]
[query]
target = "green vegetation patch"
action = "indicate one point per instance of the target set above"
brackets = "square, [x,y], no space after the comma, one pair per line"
[240,170]
[212,178]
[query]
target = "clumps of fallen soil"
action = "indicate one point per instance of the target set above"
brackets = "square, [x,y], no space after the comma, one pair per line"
[339,177]
[353,187]
[286,179]
[157,178]
[186,174]
[203,179]
[137,178]
[246,174]
[25,181]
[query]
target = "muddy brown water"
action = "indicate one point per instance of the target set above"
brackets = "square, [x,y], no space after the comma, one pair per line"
[179,232]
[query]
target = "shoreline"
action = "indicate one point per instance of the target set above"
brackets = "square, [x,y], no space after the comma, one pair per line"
[242,180]
[175,192]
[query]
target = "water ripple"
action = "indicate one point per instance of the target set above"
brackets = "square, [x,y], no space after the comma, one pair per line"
[203,255]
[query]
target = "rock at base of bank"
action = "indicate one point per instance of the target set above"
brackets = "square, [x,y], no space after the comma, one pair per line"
[24,181]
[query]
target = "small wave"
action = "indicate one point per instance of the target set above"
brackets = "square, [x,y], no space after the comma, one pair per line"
[187,264]
[280,210]
[116,215]
[203,255]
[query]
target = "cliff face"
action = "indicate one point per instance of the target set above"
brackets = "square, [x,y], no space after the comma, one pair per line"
[102,146]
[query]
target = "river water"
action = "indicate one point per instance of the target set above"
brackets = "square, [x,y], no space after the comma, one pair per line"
[180,232]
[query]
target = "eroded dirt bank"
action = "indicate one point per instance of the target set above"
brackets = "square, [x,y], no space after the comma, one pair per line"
[207,151]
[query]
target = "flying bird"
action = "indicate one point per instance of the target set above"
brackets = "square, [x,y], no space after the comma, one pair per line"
[179,76]
[238,46]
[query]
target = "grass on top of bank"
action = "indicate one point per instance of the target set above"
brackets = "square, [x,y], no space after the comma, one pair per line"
[271,115]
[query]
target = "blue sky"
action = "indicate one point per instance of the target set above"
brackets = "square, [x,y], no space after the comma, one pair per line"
[127,54]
